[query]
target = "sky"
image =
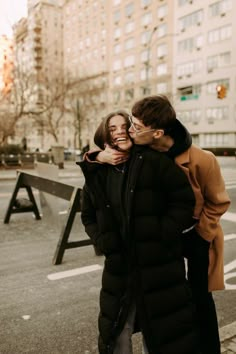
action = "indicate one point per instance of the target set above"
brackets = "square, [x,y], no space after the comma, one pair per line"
[10,12]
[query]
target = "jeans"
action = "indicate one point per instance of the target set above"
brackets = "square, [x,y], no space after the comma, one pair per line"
[196,251]
[123,343]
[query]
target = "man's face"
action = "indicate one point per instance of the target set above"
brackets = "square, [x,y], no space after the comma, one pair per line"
[141,134]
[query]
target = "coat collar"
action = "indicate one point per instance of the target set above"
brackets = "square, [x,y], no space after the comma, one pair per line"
[183,158]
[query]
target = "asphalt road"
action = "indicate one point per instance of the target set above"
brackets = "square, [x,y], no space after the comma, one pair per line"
[48,309]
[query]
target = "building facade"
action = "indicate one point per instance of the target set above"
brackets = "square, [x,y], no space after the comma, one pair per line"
[205,58]
[104,55]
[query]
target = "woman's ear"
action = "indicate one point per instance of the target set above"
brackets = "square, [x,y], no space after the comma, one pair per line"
[158,133]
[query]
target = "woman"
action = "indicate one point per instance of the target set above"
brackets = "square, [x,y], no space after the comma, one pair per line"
[136,223]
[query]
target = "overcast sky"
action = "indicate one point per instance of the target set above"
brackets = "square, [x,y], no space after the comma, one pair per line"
[10,12]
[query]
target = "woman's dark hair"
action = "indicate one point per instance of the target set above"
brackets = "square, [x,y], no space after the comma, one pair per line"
[155,111]
[102,135]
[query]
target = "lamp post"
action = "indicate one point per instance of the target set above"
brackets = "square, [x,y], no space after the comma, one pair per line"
[149,45]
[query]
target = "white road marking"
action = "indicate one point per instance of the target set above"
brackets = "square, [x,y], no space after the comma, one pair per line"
[227,268]
[230,266]
[73,272]
[229,216]
[229,237]
[231,187]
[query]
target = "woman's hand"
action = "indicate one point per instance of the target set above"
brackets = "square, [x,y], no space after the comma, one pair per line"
[112,156]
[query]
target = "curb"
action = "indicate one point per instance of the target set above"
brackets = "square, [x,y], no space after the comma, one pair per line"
[227,331]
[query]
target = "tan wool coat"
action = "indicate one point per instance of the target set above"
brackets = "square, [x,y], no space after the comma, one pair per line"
[212,201]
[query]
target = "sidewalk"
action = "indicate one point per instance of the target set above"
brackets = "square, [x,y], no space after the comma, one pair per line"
[228,339]
[70,170]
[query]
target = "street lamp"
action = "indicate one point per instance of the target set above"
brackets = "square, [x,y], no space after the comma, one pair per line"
[149,44]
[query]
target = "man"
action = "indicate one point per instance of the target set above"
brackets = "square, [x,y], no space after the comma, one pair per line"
[203,244]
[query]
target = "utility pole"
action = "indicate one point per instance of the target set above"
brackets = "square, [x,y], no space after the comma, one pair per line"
[149,45]
[78,123]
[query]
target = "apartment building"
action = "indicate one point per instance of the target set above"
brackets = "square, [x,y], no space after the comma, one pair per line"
[6,64]
[118,50]
[205,57]
[39,58]
[108,54]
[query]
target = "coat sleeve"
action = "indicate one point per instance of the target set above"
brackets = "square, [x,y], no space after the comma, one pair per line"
[180,201]
[216,200]
[105,242]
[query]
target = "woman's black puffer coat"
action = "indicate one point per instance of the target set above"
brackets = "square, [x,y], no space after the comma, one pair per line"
[144,266]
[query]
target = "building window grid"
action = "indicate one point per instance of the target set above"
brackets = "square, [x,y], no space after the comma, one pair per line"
[190,116]
[220,34]
[162,12]
[162,50]
[162,88]
[187,69]
[162,69]
[193,19]
[218,61]
[129,10]
[219,8]
[211,86]
[215,139]
[146,19]
[217,113]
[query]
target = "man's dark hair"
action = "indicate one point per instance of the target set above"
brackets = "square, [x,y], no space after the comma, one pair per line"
[155,111]
[102,135]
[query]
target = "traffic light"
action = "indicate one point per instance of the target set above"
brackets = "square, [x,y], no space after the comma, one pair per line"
[221,91]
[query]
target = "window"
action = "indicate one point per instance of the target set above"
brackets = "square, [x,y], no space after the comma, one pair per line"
[211,86]
[116,16]
[117,48]
[193,19]
[129,77]
[129,27]
[162,50]
[144,56]
[189,44]
[117,80]
[117,33]
[217,113]
[162,11]
[215,139]
[217,61]
[220,34]
[129,61]
[162,30]
[129,10]
[117,65]
[116,97]
[189,92]
[190,116]
[146,19]
[129,43]
[219,8]
[144,74]
[145,3]
[129,94]
[162,88]
[189,68]
[145,36]
[161,69]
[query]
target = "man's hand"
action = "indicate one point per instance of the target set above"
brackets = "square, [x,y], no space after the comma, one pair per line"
[112,156]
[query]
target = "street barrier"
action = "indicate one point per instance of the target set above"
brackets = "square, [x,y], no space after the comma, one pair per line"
[26,159]
[61,190]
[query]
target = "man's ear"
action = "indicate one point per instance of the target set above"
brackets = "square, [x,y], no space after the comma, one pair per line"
[158,133]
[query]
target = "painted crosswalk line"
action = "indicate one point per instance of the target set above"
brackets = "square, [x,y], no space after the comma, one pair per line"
[73,272]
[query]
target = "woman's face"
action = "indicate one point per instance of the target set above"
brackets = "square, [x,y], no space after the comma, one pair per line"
[119,133]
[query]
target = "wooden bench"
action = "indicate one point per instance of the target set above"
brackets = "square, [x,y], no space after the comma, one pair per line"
[61,190]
